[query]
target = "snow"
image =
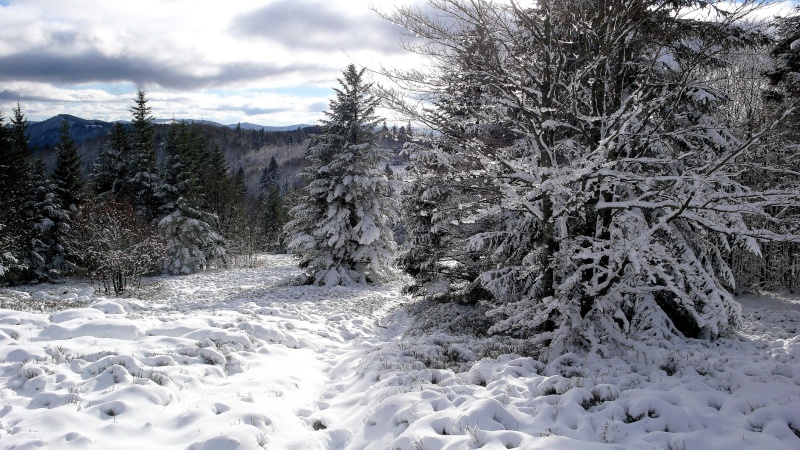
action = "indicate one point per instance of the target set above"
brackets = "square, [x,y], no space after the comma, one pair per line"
[245,359]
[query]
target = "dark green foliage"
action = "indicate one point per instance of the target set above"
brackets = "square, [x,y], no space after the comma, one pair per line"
[67,173]
[51,254]
[110,170]
[196,197]
[274,215]
[270,176]
[143,183]
[274,218]
[19,131]
[16,195]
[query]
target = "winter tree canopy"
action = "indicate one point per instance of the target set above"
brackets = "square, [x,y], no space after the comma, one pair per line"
[598,192]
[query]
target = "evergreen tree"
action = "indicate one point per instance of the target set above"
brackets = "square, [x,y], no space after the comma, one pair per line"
[274,214]
[614,192]
[341,228]
[10,245]
[50,249]
[192,245]
[143,183]
[241,183]
[274,218]
[19,134]
[109,174]
[16,193]
[67,172]
[270,176]
[177,179]
[191,186]
[786,73]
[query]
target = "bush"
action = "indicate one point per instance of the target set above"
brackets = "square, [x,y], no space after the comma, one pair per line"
[114,245]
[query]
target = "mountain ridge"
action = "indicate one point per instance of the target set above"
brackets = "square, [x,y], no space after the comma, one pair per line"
[44,134]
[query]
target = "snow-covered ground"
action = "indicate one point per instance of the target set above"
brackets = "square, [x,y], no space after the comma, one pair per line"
[244,359]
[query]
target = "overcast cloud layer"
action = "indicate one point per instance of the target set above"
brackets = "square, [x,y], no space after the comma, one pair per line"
[268,62]
[271,62]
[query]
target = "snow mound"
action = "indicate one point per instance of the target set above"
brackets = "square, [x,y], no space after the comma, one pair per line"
[244,359]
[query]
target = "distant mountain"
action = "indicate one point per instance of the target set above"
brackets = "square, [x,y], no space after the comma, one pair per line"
[253,126]
[45,134]
[195,121]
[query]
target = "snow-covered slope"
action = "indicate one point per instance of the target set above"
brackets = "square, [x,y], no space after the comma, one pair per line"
[242,359]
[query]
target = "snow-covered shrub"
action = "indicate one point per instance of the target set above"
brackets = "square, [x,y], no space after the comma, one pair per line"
[191,243]
[114,245]
[614,194]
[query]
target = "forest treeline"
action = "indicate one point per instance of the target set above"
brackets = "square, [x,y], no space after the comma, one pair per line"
[145,198]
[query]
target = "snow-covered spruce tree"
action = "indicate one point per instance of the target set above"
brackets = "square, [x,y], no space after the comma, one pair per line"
[142,182]
[450,185]
[619,186]
[192,243]
[67,172]
[108,174]
[341,228]
[16,198]
[12,200]
[51,253]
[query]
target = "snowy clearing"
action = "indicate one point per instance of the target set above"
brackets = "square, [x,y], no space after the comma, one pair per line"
[243,359]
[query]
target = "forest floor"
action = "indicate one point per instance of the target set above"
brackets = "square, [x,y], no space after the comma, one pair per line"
[245,359]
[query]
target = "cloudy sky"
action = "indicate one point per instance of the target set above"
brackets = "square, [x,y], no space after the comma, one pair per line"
[270,62]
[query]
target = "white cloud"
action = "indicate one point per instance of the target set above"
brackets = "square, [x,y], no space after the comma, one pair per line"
[60,57]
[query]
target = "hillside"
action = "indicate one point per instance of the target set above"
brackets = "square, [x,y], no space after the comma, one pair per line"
[250,148]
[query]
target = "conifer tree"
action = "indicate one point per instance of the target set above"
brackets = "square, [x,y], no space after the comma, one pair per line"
[10,244]
[270,176]
[786,73]
[51,254]
[274,213]
[109,174]
[614,190]
[16,195]
[192,245]
[67,172]
[19,133]
[188,182]
[143,183]
[341,228]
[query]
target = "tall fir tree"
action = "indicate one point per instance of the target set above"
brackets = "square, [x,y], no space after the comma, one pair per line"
[110,172]
[67,173]
[50,249]
[270,176]
[143,183]
[188,181]
[341,228]
[16,195]
[19,134]
[274,213]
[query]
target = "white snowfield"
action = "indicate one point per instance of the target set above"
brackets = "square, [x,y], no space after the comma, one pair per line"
[243,359]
